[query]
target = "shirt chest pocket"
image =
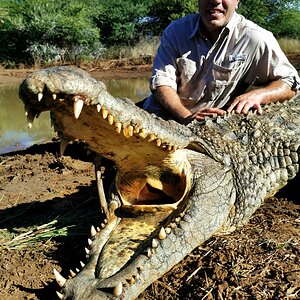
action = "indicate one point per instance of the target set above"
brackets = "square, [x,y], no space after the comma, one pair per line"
[232,70]
[225,78]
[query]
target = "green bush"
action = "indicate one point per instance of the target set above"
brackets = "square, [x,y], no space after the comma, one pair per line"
[119,21]
[280,17]
[39,31]
[48,31]
[168,10]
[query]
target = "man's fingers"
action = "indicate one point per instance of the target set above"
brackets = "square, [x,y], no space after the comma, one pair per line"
[246,108]
[241,106]
[231,106]
[259,110]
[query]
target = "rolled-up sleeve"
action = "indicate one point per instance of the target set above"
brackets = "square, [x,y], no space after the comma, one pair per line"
[164,66]
[272,64]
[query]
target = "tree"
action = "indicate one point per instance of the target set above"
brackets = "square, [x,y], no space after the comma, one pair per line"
[119,21]
[280,17]
[168,10]
[45,31]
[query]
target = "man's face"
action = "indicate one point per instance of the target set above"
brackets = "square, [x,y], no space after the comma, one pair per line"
[215,14]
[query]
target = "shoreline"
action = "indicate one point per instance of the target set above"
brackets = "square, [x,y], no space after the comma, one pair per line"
[115,68]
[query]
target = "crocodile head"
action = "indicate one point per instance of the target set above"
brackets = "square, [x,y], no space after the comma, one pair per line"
[173,189]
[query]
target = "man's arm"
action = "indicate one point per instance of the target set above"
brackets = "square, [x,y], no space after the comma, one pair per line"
[275,91]
[168,98]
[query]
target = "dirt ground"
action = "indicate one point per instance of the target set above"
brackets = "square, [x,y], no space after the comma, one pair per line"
[48,203]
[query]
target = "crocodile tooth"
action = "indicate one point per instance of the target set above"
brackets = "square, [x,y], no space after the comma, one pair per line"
[131,281]
[93,231]
[118,126]
[105,221]
[54,96]
[110,119]
[152,137]
[40,96]
[98,108]
[173,225]
[102,225]
[143,133]
[137,276]
[182,214]
[87,251]
[59,279]
[98,229]
[130,130]
[104,113]
[77,270]
[62,146]
[72,273]
[113,205]
[126,131]
[140,269]
[168,230]
[136,129]
[118,290]
[169,147]
[26,113]
[154,243]
[184,171]
[177,220]
[162,234]
[158,142]
[90,242]
[149,252]
[59,295]
[82,264]
[78,105]
[30,118]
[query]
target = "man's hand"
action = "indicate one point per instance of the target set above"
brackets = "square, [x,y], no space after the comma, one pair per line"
[277,90]
[243,103]
[202,113]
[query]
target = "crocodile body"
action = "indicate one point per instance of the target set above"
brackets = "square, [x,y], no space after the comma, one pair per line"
[175,185]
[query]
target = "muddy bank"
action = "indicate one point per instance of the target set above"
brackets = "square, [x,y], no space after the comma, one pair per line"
[42,193]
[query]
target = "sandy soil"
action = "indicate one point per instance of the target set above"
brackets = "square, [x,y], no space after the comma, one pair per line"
[41,193]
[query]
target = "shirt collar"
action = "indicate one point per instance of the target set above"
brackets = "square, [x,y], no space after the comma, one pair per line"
[230,25]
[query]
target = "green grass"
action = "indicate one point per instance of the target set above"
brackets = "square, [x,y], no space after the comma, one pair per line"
[32,236]
[71,222]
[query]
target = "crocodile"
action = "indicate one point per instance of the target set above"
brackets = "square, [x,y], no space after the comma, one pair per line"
[173,186]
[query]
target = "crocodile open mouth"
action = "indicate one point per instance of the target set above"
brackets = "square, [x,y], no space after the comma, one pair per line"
[166,184]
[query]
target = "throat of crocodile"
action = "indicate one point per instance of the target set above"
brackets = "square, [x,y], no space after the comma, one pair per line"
[148,201]
[163,184]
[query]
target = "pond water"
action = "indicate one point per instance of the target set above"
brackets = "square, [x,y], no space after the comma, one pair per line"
[14,133]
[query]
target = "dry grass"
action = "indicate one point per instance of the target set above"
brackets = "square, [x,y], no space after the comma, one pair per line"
[144,48]
[71,222]
[289,46]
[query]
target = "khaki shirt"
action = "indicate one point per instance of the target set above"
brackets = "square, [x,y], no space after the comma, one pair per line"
[206,75]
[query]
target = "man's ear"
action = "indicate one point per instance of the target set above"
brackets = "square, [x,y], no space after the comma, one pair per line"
[237,4]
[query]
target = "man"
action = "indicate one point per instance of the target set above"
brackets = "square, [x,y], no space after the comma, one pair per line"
[206,63]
